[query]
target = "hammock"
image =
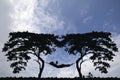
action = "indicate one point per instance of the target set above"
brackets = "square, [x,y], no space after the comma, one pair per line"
[61,65]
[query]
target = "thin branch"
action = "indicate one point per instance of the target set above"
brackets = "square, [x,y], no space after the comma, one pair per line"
[83,61]
[37,61]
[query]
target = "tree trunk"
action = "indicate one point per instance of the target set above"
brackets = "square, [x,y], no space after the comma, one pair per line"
[79,68]
[41,67]
[41,70]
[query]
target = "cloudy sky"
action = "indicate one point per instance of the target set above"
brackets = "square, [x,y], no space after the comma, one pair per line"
[59,17]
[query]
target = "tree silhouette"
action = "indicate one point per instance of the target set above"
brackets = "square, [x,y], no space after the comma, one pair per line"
[22,44]
[98,44]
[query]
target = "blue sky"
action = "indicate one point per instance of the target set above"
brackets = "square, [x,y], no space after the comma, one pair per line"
[86,16]
[59,17]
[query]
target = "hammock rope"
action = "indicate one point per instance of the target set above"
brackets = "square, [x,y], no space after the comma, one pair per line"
[59,66]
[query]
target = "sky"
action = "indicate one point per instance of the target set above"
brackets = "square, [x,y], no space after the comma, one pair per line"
[59,17]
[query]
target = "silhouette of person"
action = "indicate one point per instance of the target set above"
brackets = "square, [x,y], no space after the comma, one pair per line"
[61,65]
[56,62]
[90,75]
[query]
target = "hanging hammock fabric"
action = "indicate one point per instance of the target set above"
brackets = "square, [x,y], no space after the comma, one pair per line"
[61,65]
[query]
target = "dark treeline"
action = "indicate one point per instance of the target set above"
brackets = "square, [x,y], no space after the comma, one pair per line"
[55,78]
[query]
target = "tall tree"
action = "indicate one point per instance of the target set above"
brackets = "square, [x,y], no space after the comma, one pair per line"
[98,44]
[21,44]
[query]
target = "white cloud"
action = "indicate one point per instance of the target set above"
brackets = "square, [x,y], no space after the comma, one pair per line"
[5,9]
[110,12]
[32,16]
[68,72]
[110,26]
[49,71]
[22,15]
[45,21]
[85,20]
[84,10]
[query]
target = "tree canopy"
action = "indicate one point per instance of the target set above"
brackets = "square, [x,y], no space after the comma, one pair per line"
[99,44]
[21,44]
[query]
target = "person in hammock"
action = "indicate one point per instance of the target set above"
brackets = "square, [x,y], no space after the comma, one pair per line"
[61,65]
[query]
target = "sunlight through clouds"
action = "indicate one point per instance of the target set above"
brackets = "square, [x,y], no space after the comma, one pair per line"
[22,15]
[32,16]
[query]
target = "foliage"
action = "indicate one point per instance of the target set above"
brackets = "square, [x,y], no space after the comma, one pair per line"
[21,44]
[99,44]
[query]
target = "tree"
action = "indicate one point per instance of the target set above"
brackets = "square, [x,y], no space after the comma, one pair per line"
[98,44]
[22,44]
